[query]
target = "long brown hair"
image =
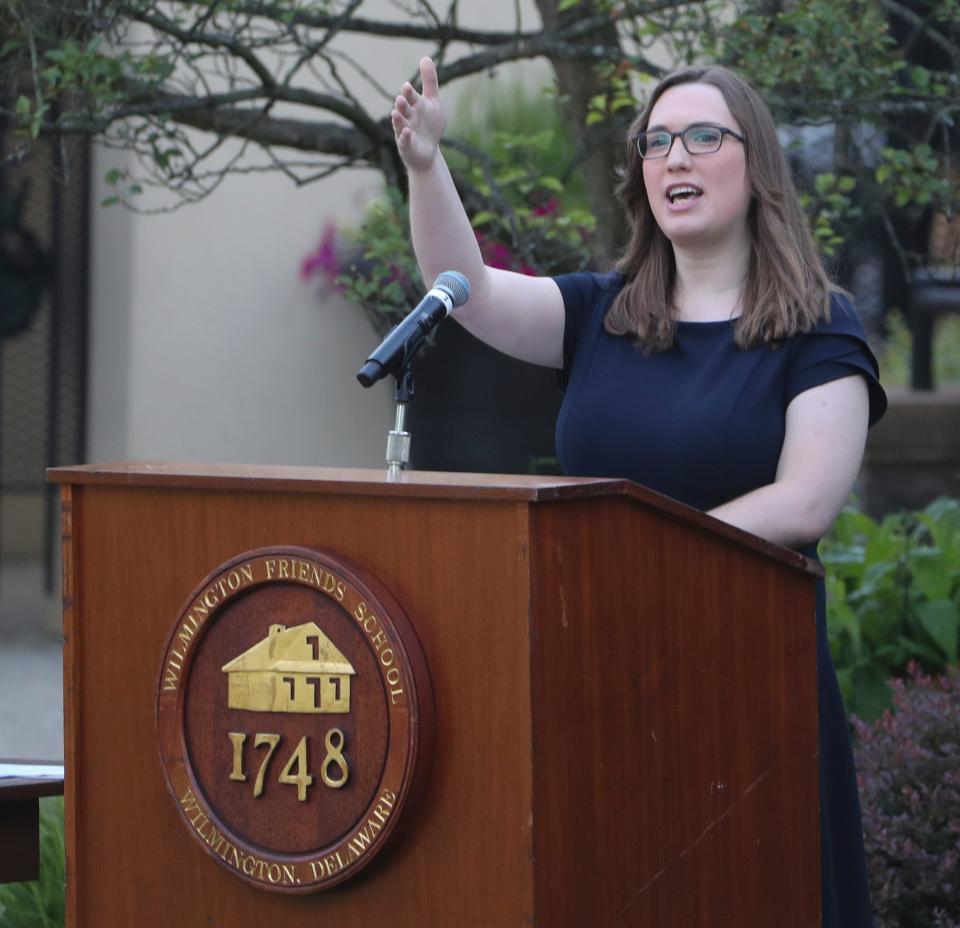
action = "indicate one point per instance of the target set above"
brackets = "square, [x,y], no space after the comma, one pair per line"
[786,288]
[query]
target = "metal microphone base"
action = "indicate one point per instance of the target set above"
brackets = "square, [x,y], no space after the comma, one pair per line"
[398,440]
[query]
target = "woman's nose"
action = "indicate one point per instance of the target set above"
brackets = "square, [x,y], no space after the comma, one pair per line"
[678,156]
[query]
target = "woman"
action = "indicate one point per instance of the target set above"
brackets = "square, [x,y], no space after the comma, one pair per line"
[718,365]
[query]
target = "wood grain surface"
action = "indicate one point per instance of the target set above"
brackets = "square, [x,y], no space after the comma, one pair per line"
[675,726]
[413,485]
[460,572]
[624,726]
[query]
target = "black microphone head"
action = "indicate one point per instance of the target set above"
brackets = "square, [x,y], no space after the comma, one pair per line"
[370,373]
[456,285]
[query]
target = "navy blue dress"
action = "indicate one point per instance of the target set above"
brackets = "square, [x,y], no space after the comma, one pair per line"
[704,423]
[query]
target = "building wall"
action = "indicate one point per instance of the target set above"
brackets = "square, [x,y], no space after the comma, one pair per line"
[205,345]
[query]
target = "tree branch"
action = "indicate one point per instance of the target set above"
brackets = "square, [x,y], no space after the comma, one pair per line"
[922,25]
[442,33]
[166,26]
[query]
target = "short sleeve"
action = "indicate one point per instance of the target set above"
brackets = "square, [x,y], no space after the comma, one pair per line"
[584,294]
[576,290]
[833,350]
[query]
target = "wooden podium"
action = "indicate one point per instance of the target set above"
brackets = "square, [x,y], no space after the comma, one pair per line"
[625,700]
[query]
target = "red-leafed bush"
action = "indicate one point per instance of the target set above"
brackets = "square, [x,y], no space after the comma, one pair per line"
[909,768]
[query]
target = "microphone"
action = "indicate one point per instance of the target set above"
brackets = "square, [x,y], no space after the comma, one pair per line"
[449,290]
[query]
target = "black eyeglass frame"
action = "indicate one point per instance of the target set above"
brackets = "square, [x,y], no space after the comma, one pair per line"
[723,130]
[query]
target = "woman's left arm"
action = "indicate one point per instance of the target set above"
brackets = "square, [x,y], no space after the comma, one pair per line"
[826,430]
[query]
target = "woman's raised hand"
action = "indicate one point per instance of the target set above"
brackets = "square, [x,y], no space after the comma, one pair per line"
[419,119]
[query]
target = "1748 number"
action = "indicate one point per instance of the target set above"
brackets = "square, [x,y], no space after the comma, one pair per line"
[296,771]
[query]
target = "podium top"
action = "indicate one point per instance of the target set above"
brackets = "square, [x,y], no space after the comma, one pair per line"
[521,488]
[340,480]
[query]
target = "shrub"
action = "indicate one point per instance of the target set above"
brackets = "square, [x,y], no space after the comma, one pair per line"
[522,190]
[893,597]
[40,903]
[909,771]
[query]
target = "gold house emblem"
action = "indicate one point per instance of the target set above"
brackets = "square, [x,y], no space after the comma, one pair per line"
[294,669]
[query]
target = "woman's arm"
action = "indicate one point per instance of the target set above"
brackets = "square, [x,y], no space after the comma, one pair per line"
[826,430]
[519,315]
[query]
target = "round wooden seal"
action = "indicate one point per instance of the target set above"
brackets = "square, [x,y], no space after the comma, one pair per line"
[295,718]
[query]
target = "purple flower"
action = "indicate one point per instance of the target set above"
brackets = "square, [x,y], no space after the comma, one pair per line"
[909,775]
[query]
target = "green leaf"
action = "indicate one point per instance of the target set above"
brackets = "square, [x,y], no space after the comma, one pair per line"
[877,623]
[887,542]
[871,693]
[920,77]
[879,576]
[941,620]
[928,654]
[926,568]
[852,525]
[823,182]
[843,554]
[483,217]
[551,183]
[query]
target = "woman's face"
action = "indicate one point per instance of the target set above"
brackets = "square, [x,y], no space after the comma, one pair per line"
[714,211]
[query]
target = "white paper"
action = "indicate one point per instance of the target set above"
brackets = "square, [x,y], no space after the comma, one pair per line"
[31,771]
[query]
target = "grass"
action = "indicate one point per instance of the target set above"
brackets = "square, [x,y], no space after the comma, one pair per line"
[40,903]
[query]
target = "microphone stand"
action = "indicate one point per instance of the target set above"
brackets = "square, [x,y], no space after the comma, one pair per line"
[398,440]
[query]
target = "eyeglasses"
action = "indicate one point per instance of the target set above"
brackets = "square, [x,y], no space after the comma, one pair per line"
[697,140]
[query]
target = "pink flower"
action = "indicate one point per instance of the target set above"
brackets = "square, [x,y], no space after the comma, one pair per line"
[324,258]
[496,254]
[547,208]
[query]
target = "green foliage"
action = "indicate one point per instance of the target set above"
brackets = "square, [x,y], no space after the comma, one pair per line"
[521,168]
[515,163]
[894,353]
[830,207]
[915,178]
[617,95]
[818,61]
[383,275]
[820,52]
[275,78]
[529,221]
[512,124]
[94,77]
[40,903]
[893,597]
[690,32]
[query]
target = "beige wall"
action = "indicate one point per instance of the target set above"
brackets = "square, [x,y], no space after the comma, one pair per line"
[205,345]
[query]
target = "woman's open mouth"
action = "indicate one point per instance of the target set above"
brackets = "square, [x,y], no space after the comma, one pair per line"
[680,196]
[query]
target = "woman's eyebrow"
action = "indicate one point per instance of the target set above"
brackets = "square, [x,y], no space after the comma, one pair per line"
[697,122]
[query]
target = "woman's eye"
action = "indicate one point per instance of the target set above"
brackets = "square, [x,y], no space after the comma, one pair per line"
[705,136]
